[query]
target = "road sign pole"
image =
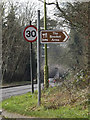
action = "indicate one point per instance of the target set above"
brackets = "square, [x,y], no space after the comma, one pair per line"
[30,35]
[46,84]
[38,59]
[31,66]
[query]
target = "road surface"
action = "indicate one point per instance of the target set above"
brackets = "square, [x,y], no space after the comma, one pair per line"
[13,91]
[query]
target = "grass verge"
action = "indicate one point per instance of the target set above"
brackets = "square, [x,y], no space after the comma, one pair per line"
[51,107]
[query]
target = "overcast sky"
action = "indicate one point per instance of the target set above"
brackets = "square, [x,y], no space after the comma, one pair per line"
[58,0]
[49,0]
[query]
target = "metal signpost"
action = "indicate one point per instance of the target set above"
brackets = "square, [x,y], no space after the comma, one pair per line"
[53,36]
[38,59]
[30,35]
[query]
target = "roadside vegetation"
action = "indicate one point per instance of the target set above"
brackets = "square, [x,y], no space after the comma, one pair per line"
[56,103]
[69,100]
[27,105]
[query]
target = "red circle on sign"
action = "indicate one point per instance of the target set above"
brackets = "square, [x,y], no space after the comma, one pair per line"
[33,27]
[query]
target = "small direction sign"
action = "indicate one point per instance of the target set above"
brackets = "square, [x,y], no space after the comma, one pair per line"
[53,36]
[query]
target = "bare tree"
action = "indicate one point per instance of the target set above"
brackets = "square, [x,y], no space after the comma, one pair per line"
[15,48]
[28,13]
[74,14]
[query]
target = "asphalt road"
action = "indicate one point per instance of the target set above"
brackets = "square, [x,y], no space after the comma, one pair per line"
[13,91]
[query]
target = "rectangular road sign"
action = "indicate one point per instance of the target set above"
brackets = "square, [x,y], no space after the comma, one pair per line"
[53,36]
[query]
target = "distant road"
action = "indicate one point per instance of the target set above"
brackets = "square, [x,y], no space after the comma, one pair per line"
[19,90]
[13,91]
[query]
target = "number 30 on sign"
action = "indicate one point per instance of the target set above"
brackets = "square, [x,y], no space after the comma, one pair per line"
[30,33]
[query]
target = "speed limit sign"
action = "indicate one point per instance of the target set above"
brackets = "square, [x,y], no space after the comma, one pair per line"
[30,33]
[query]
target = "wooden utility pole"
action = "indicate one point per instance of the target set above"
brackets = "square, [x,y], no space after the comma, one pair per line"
[46,84]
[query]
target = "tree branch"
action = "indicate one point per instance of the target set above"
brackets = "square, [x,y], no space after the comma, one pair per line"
[52,3]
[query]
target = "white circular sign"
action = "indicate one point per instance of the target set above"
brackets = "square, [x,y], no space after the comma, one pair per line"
[30,33]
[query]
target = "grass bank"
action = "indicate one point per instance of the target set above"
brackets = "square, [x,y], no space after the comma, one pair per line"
[55,104]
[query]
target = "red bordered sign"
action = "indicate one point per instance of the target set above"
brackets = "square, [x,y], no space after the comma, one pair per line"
[30,33]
